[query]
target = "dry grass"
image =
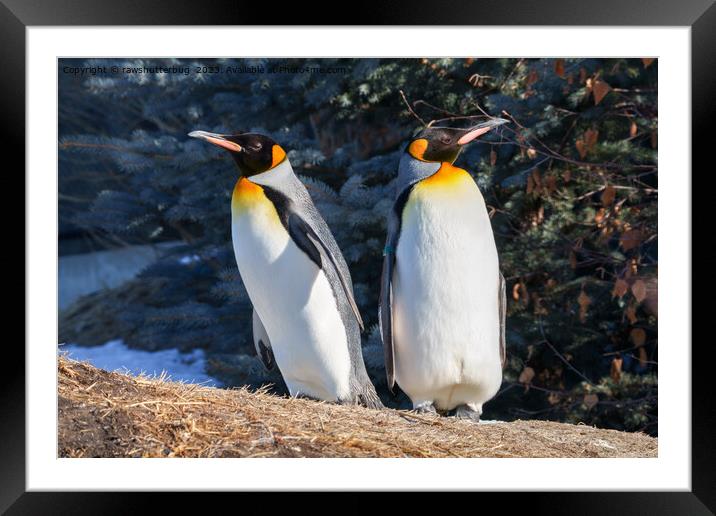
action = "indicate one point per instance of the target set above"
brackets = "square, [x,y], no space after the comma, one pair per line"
[104,414]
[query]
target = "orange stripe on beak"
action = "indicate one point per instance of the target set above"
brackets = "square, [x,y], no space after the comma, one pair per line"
[217,139]
[480,130]
[229,145]
[467,138]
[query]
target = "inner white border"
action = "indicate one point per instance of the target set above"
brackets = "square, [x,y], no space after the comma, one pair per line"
[671,470]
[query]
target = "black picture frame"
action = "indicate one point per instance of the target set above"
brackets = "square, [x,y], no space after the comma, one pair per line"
[700,15]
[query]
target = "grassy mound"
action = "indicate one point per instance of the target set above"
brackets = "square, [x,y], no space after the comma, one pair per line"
[103,414]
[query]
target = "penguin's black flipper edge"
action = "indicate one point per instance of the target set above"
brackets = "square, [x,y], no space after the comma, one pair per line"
[385,317]
[262,342]
[385,309]
[266,355]
[306,239]
[502,304]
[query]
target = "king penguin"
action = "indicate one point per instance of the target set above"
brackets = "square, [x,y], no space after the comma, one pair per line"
[305,318]
[442,300]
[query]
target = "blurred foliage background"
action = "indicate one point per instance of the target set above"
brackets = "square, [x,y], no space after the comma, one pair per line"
[571,185]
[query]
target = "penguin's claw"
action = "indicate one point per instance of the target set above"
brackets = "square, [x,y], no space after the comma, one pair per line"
[303,396]
[467,412]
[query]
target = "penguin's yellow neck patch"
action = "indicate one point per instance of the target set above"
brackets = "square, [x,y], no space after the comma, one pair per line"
[448,176]
[249,203]
[246,195]
[277,155]
[417,148]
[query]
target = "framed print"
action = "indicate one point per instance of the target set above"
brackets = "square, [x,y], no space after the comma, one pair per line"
[419,253]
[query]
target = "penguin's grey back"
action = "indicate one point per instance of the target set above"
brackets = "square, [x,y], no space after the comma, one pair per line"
[283,179]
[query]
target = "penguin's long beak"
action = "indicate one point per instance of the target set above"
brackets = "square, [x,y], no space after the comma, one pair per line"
[216,139]
[480,129]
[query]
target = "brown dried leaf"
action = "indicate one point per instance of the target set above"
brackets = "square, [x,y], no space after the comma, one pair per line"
[516,292]
[637,336]
[531,153]
[616,369]
[590,138]
[525,294]
[631,239]
[526,375]
[654,139]
[590,400]
[493,157]
[605,233]
[647,61]
[559,67]
[633,129]
[600,90]
[621,287]
[537,179]
[581,148]
[551,182]
[584,301]
[573,259]
[638,288]
[608,195]
[599,216]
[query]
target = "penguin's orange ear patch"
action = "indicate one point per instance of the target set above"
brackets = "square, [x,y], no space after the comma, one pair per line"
[417,148]
[277,155]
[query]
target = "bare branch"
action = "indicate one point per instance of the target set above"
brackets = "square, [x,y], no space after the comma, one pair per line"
[402,94]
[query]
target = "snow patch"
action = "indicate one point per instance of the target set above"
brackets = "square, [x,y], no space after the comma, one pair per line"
[189,259]
[116,356]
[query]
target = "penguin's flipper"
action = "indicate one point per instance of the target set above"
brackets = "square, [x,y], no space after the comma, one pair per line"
[385,310]
[385,317]
[502,303]
[308,240]
[262,342]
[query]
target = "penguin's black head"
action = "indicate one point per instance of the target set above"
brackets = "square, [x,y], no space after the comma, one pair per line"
[254,153]
[443,144]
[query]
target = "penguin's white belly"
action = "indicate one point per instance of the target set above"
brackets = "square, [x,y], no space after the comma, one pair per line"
[294,301]
[445,296]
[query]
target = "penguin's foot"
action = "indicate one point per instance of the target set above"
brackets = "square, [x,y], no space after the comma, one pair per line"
[424,407]
[304,396]
[472,413]
[369,398]
[364,400]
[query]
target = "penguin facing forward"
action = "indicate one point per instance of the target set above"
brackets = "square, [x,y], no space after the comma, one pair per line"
[305,318]
[442,301]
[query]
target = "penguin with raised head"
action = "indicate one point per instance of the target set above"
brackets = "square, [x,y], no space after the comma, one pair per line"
[305,318]
[442,301]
